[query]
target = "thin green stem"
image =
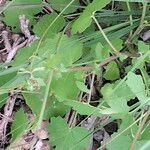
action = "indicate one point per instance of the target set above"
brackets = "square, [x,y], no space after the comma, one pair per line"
[140,130]
[44,34]
[138,30]
[46,95]
[104,35]
[120,133]
[131,18]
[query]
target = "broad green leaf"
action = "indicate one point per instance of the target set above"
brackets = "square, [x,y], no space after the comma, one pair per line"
[65,87]
[117,103]
[56,108]
[123,90]
[101,52]
[19,124]
[142,145]
[34,102]
[117,43]
[82,87]
[16,82]
[120,143]
[144,48]
[83,108]
[112,71]
[59,5]
[146,134]
[3,99]
[47,22]
[85,18]
[135,83]
[65,138]
[68,50]
[126,121]
[21,7]
[7,77]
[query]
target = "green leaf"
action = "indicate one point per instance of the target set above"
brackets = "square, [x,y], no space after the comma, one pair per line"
[21,7]
[135,83]
[83,108]
[126,121]
[56,108]
[146,134]
[143,47]
[65,138]
[17,81]
[34,102]
[142,145]
[85,19]
[123,90]
[117,43]
[117,102]
[112,71]
[122,142]
[7,77]
[65,87]
[82,87]
[59,5]
[19,124]
[101,52]
[68,50]
[47,22]
[3,99]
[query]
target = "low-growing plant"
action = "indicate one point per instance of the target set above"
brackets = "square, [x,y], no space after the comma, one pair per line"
[74,74]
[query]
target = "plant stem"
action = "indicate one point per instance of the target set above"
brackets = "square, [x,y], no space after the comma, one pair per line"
[131,18]
[91,88]
[138,30]
[46,95]
[45,32]
[120,133]
[139,130]
[104,35]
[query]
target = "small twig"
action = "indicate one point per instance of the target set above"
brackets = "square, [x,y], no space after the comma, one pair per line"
[91,88]
[5,36]
[24,23]
[89,68]
[16,43]
[14,50]
[8,110]
[2,2]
